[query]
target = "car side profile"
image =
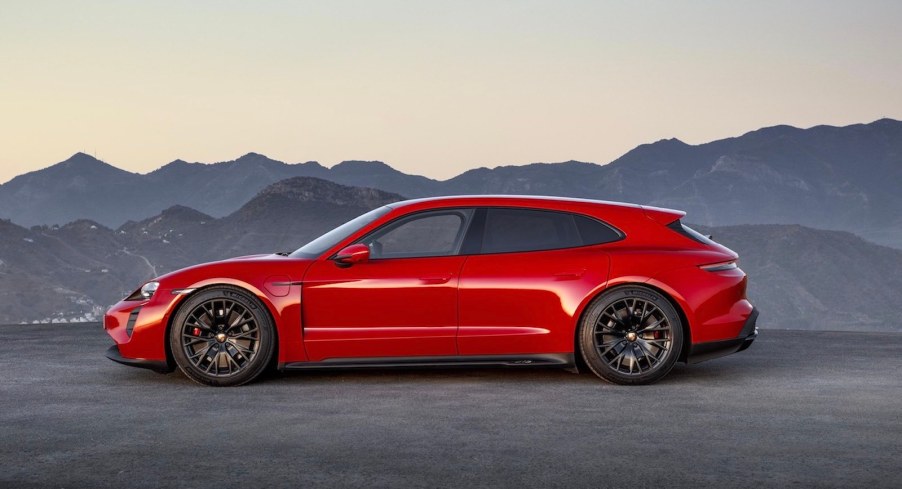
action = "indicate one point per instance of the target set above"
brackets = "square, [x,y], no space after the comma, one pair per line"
[624,291]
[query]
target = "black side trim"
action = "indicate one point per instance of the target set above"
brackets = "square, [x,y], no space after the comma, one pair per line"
[563,360]
[706,351]
[472,244]
[132,317]
[156,365]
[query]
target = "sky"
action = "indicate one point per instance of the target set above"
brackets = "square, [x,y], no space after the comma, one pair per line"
[432,88]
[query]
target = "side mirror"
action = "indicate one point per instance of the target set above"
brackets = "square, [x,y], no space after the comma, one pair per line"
[355,253]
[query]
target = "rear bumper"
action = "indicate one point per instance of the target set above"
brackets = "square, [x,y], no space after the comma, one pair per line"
[156,365]
[700,352]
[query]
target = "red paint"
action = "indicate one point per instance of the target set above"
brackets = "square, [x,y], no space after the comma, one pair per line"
[403,307]
[528,302]
[519,302]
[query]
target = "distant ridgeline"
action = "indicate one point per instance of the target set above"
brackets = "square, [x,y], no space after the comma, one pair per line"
[92,242]
[841,178]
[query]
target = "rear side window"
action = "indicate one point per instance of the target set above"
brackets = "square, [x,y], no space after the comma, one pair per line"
[690,233]
[595,232]
[512,230]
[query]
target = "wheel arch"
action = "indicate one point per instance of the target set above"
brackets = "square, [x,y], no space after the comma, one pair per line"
[667,293]
[248,289]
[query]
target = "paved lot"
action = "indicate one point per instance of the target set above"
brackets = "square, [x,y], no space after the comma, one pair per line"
[797,408]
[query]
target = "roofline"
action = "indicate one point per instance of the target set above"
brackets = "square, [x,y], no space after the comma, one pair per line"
[404,203]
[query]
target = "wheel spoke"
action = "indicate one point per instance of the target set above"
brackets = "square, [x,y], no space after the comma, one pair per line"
[239,324]
[647,352]
[231,358]
[241,349]
[610,345]
[642,314]
[197,324]
[654,326]
[649,313]
[195,341]
[200,354]
[250,335]
[618,359]
[652,330]
[660,343]
[612,316]
[210,364]
[633,359]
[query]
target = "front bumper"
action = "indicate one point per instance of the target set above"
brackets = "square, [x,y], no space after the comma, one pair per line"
[156,365]
[700,352]
[139,330]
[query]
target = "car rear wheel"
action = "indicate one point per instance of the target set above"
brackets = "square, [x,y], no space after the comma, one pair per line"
[631,335]
[222,336]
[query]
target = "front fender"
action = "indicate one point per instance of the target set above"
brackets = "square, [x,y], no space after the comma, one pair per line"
[282,299]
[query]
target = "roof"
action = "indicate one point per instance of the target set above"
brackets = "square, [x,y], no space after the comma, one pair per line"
[506,199]
[619,214]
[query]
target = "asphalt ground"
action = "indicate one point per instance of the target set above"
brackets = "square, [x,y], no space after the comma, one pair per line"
[800,409]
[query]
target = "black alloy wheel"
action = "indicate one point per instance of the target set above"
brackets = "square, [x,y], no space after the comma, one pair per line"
[631,335]
[222,336]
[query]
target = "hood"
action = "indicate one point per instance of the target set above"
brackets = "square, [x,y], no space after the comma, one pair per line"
[250,269]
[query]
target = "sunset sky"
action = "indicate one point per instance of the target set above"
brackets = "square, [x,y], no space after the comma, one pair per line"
[429,87]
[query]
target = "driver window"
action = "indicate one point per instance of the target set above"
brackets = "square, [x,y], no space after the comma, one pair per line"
[430,234]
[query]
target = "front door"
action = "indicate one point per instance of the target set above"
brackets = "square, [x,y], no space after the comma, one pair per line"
[402,302]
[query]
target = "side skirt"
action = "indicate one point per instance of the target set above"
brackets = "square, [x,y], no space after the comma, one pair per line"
[562,360]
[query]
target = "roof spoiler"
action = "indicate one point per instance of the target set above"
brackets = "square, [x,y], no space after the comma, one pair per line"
[661,215]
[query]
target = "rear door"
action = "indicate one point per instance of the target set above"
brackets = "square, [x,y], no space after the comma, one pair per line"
[520,293]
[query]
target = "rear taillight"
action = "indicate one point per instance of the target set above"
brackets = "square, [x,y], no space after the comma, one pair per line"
[720,267]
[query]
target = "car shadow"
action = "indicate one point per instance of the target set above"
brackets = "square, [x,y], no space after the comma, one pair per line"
[714,371]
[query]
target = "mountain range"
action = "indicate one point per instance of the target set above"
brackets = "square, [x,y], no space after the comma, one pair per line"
[74,271]
[835,178]
[800,278]
[787,199]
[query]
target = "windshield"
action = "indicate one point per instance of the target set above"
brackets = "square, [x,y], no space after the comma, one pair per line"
[316,247]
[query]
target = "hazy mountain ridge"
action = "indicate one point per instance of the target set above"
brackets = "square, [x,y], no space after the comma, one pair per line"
[842,178]
[804,278]
[75,271]
[111,196]
[799,277]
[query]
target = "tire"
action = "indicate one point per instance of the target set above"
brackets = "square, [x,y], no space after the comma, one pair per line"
[631,335]
[222,336]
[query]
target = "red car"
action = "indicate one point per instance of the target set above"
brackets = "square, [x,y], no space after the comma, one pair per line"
[623,290]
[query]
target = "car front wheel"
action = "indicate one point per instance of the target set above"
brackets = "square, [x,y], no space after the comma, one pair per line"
[222,336]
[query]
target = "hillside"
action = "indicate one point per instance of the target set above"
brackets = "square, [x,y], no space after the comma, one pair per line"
[803,278]
[800,278]
[86,267]
[82,187]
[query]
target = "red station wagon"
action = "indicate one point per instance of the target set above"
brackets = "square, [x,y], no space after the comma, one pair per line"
[624,291]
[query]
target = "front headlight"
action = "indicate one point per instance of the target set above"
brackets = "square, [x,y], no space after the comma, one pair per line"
[148,289]
[145,292]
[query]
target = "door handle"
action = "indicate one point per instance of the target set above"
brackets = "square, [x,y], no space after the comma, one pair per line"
[436,279]
[570,275]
